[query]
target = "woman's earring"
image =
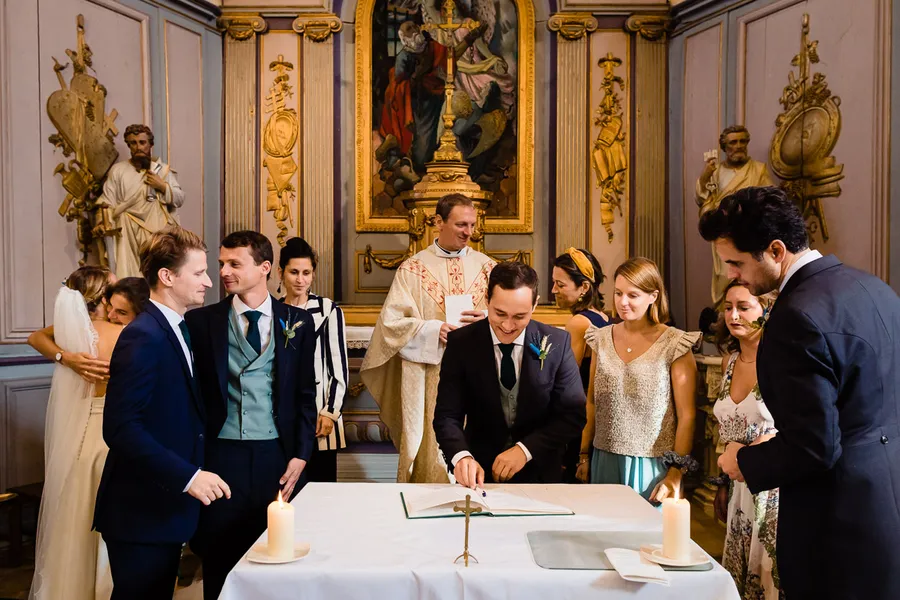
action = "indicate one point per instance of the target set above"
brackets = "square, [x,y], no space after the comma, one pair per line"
[581,297]
[279,287]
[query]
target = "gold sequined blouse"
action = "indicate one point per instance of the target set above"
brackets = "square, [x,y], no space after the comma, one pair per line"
[634,405]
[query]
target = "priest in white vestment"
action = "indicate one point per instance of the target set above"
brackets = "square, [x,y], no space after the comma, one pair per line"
[140,197]
[403,363]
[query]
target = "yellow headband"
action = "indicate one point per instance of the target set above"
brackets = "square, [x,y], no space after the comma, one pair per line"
[581,261]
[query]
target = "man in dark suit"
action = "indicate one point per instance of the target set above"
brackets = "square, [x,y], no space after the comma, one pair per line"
[255,366]
[149,497]
[828,371]
[502,403]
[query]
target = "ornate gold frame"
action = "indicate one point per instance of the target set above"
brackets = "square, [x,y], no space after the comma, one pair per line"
[365,221]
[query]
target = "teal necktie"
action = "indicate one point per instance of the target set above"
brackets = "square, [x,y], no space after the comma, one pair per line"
[253,330]
[186,335]
[507,367]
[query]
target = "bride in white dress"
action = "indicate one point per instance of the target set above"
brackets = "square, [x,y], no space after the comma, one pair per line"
[70,559]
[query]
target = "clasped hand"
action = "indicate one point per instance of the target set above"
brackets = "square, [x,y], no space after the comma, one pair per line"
[728,461]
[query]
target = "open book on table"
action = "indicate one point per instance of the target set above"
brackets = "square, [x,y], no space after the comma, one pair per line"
[430,503]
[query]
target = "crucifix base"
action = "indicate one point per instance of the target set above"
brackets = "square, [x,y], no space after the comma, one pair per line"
[466,556]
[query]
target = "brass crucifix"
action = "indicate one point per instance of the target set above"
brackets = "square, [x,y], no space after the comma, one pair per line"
[448,150]
[468,510]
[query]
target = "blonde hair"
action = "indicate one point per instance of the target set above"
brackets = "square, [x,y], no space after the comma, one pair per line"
[167,249]
[643,274]
[91,282]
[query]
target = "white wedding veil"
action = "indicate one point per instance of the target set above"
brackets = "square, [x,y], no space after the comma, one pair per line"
[67,415]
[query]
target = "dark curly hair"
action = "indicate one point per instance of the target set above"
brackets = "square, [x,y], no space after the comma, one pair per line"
[297,247]
[137,129]
[134,289]
[753,218]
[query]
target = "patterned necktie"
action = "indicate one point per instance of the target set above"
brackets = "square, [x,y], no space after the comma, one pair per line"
[253,330]
[507,367]
[186,335]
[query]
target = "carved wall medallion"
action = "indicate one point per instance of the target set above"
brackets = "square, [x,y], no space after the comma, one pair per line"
[318,27]
[279,138]
[241,27]
[78,112]
[650,27]
[572,26]
[807,132]
[609,156]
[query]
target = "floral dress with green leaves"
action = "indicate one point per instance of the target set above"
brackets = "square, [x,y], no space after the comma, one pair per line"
[749,553]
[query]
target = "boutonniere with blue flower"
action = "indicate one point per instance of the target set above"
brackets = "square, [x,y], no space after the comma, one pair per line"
[289,329]
[542,351]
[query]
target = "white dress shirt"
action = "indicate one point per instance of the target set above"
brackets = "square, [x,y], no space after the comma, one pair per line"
[174,320]
[518,349]
[264,323]
[804,260]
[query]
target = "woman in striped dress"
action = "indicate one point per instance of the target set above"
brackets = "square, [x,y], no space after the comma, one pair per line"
[297,270]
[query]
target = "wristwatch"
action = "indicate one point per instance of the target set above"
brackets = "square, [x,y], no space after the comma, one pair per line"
[58,357]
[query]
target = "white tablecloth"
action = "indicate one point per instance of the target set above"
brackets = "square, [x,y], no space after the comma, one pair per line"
[363,547]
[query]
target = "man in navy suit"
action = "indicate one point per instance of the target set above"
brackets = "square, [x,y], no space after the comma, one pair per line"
[828,371]
[148,502]
[504,409]
[255,366]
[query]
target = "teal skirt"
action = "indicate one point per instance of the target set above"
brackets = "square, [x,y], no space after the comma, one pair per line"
[640,473]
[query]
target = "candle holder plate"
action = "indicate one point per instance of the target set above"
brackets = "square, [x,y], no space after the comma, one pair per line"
[654,553]
[259,553]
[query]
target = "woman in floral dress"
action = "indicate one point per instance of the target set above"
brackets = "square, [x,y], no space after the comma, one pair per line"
[751,520]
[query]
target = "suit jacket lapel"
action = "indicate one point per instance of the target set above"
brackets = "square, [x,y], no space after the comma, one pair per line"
[176,344]
[282,312]
[484,355]
[218,333]
[529,372]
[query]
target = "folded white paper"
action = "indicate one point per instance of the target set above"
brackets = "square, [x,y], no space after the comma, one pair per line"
[631,566]
[455,306]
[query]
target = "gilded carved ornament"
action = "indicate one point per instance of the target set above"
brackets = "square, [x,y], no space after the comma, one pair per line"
[318,27]
[572,26]
[241,27]
[78,112]
[279,138]
[650,27]
[806,134]
[609,155]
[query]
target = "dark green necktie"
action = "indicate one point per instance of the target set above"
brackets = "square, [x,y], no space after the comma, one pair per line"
[253,330]
[507,367]
[186,335]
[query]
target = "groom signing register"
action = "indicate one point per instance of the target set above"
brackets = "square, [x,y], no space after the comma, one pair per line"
[510,394]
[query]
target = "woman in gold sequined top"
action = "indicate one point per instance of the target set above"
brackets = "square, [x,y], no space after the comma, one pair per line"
[641,392]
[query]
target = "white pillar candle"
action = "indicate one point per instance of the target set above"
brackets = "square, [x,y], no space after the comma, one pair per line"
[676,515]
[281,529]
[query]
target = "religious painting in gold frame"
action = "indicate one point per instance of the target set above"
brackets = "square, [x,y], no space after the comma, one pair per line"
[494,103]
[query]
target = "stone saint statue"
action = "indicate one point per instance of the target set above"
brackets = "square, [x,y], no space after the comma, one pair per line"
[140,197]
[719,180]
